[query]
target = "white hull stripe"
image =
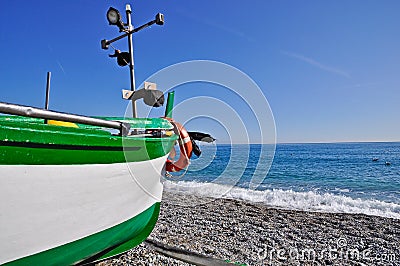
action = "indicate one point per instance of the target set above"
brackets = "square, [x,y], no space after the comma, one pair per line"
[45,206]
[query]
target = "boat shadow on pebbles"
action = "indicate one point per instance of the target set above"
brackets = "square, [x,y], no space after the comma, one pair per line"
[255,234]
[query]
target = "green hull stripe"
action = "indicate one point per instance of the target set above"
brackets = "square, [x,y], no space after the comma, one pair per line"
[66,147]
[115,240]
[134,241]
[34,156]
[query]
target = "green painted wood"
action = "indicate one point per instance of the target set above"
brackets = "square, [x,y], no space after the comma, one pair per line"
[170,104]
[116,239]
[135,122]
[131,243]
[43,143]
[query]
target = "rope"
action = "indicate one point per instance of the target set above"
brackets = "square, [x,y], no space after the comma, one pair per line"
[185,255]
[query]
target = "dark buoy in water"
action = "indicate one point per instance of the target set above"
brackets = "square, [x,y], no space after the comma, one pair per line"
[388,163]
[375,159]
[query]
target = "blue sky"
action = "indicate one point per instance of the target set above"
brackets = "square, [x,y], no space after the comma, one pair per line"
[330,70]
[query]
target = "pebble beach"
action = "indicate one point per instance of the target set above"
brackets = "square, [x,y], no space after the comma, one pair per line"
[255,234]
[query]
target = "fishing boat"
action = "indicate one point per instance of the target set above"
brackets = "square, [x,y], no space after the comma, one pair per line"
[76,189]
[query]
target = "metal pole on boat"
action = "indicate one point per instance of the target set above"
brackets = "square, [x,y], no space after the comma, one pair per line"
[28,111]
[131,63]
[46,104]
[114,18]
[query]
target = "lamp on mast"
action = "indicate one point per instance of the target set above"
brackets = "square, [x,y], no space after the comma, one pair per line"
[125,58]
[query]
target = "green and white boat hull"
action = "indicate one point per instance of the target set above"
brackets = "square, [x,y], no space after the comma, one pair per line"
[77,194]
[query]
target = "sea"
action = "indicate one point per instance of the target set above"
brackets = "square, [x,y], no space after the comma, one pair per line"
[322,177]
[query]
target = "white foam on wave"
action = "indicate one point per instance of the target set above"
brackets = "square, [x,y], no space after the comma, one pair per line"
[289,199]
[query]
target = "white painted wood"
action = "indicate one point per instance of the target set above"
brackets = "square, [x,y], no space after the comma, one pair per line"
[45,206]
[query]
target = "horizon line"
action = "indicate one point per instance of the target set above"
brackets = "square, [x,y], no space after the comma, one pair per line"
[316,142]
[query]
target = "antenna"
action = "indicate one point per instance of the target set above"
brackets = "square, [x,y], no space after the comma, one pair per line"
[124,58]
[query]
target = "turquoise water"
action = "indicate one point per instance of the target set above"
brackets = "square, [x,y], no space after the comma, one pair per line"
[335,177]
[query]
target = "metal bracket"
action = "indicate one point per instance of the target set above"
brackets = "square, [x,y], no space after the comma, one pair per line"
[124,130]
[149,94]
[135,95]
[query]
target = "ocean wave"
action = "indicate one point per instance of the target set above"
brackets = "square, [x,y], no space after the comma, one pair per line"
[289,199]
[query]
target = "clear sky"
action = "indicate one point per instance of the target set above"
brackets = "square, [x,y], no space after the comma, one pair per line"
[329,69]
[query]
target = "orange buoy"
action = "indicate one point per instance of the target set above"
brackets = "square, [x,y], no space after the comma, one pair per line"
[185,147]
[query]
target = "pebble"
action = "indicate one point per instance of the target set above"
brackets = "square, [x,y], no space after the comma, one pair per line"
[256,234]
